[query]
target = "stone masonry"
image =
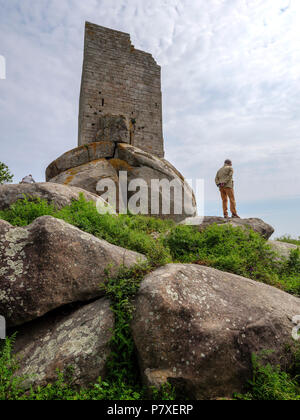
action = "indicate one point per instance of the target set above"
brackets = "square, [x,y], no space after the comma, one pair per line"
[119,81]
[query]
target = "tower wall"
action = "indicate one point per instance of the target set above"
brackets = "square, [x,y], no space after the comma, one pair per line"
[117,80]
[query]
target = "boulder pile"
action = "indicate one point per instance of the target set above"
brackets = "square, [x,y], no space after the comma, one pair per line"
[193,326]
[50,293]
[49,264]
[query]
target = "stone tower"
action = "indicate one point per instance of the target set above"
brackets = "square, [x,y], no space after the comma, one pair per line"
[120,131]
[120,92]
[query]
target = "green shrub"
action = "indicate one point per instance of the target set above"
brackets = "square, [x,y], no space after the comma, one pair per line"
[271,383]
[289,273]
[25,211]
[237,251]
[61,389]
[124,230]
[288,239]
[9,384]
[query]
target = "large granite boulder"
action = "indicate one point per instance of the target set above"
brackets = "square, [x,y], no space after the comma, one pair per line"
[149,168]
[283,248]
[79,156]
[88,175]
[197,327]
[138,165]
[59,195]
[49,264]
[257,225]
[77,339]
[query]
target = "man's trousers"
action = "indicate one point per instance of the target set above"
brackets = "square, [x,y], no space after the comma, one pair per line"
[228,193]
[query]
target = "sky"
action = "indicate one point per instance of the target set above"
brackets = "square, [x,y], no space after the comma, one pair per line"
[230,84]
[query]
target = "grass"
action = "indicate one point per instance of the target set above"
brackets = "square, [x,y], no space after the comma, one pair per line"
[223,247]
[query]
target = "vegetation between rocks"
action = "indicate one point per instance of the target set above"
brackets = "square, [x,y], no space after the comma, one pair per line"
[288,239]
[223,247]
[270,383]
[122,380]
[237,251]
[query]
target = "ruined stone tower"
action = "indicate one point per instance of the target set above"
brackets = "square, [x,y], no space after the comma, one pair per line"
[120,130]
[119,81]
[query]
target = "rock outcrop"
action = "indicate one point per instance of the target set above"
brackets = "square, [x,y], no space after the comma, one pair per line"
[78,340]
[198,327]
[80,156]
[59,195]
[283,248]
[257,225]
[88,175]
[138,164]
[49,264]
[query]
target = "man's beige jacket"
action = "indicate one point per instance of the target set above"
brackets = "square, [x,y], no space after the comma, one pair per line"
[224,176]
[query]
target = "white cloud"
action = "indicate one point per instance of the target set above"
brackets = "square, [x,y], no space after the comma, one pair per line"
[230,72]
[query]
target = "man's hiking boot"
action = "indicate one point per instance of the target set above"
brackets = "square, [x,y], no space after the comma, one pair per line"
[235,216]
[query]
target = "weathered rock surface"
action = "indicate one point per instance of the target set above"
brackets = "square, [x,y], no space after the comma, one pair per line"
[255,224]
[59,195]
[79,156]
[197,327]
[51,263]
[282,248]
[149,167]
[139,158]
[139,165]
[88,175]
[79,339]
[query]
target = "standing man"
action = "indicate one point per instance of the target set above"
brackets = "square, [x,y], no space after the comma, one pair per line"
[224,182]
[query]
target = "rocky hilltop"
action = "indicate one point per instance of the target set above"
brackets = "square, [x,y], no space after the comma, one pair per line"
[164,301]
[195,327]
